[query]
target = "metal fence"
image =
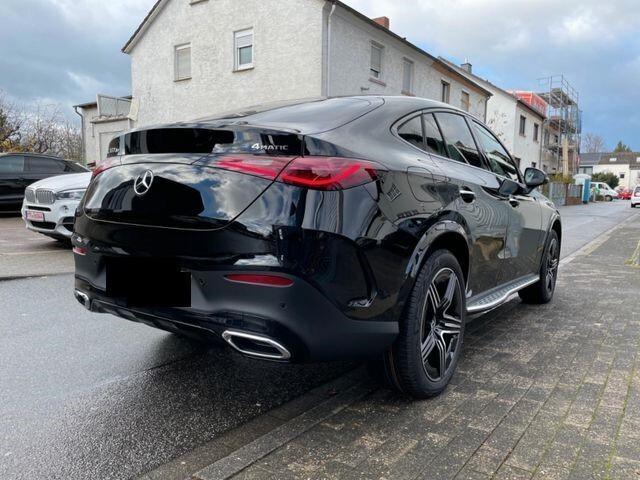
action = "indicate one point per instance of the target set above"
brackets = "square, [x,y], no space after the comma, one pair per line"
[563,194]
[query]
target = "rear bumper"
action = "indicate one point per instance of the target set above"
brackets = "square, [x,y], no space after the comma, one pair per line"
[299,318]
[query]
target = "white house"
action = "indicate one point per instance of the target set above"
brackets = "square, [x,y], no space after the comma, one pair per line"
[516,117]
[194,58]
[625,165]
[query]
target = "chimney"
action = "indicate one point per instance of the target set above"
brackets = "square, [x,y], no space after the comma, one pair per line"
[466,66]
[384,21]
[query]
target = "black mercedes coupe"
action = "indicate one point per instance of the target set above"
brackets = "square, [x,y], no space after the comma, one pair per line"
[353,227]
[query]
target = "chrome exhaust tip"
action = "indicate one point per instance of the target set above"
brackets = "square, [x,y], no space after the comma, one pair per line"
[83,298]
[254,345]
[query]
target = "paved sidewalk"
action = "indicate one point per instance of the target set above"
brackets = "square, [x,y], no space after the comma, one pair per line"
[543,392]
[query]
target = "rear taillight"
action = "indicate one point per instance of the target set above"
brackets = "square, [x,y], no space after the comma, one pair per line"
[261,280]
[258,165]
[105,165]
[317,173]
[329,173]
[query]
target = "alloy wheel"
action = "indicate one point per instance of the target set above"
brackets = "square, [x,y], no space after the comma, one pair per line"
[553,260]
[441,324]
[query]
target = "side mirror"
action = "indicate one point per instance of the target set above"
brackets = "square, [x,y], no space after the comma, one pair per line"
[534,178]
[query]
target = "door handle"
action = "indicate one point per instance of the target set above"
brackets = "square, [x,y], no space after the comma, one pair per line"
[514,202]
[467,195]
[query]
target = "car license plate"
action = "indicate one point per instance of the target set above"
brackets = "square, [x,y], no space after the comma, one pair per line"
[35,216]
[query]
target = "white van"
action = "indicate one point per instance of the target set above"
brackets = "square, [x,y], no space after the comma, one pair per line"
[635,197]
[604,190]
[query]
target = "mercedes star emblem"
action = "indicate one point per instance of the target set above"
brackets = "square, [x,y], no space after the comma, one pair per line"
[143,183]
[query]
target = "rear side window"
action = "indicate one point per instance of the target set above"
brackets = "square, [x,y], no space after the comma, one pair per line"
[74,167]
[460,144]
[435,143]
[499,161]
[11,164]
[44,165]
[411,132]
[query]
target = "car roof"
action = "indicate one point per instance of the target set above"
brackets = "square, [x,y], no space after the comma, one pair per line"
[29,154]
[316,115]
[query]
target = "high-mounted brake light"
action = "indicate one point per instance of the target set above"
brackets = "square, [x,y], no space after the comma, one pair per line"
[105,165]
[329,173]
[262,280]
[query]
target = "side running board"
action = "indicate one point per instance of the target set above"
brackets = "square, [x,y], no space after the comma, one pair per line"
[495,298]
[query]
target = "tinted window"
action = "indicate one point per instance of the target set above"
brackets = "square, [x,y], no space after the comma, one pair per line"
[435,143]
[458,138]
[44,165]
[499,161]
[74,167]
[411,131]
[11,164]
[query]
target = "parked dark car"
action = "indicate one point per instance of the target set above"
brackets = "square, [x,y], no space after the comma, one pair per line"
[19,170]
[346,227]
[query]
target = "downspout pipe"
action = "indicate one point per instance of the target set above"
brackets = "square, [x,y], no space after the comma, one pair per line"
[328,63]
[84,156]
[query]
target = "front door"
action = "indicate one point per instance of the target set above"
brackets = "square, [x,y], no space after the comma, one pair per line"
[524,233]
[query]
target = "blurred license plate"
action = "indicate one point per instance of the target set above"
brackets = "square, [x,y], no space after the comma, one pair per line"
[35,216]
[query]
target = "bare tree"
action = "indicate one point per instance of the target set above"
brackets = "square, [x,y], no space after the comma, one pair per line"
[42,128]
[592,143]
[69,144]
[11,123]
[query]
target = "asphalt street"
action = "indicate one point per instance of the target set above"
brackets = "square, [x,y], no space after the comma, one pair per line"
[92,396]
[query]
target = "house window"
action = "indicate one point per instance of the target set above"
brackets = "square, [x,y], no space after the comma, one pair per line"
[407,76]
[376,60]
[536,132]
[621,175]
[446,92]
[182,62]
[243,45]
[523,125]
[464,101]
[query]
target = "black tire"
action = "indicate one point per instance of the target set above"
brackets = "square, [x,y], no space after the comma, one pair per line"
[542,291]
[609,198]
[424,357]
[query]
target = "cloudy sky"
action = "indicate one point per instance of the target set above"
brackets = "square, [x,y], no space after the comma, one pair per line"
[66,51]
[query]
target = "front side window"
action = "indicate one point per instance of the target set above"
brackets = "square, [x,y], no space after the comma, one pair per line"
[411,132]
[465,101]
[500,162]
[523,125]
[243,42]
[376,60]
[460,144]
[446,92]
[182,62]
[407,76]
[11,164]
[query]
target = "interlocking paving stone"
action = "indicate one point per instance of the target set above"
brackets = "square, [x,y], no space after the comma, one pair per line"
[545,392]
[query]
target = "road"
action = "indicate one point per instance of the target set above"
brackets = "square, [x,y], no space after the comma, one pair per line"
[91,396]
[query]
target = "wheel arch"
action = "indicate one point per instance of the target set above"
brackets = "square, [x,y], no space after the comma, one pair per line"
[446,234]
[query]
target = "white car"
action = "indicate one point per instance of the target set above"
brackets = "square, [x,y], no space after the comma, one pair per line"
[635,197]
[606,191]
[49,205]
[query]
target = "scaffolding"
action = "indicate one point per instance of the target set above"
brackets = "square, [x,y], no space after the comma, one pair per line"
[563,126]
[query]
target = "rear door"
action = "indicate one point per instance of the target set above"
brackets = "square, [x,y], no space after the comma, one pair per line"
[524,235]
[485,215]
[12,182]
